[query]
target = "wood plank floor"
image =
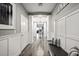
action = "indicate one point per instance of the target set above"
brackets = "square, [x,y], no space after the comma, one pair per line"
[57,50]
[26,51]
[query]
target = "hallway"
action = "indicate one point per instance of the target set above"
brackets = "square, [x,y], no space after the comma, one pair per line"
[39,29]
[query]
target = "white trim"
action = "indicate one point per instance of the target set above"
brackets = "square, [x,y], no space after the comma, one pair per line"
[72,13]
[76,38]
[6,27]
[68,15]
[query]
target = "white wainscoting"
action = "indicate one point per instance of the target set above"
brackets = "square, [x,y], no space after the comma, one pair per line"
[67,30]
[72,30]
[61,31]
[71,43]
[24,41]
[14,44]
[72,26]
[3,46]
[11,45]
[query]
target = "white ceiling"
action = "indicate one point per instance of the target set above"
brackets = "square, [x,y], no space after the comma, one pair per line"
[34,7]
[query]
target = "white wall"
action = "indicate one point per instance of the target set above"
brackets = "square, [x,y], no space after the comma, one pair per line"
[18,10]
[51,28]
[66,28]
[30,29]
[13,41]
[22,24]
[12,45]
[60,32]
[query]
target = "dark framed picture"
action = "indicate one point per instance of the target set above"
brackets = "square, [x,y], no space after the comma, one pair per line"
[6,13]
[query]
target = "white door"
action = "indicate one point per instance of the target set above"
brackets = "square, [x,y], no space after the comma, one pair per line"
[24,31]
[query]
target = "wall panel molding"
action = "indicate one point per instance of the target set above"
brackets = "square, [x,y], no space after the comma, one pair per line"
[71,30]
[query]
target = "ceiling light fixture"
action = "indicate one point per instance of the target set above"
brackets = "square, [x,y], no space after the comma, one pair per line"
[40,4]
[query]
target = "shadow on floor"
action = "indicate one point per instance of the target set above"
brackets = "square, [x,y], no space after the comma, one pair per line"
[57,50]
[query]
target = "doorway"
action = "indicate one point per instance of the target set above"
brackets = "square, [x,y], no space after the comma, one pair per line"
[39,30]
[40,27]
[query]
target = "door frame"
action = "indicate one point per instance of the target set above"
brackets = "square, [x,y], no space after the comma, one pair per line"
[39,23]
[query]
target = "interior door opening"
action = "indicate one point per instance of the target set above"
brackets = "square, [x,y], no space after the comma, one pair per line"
[40,27]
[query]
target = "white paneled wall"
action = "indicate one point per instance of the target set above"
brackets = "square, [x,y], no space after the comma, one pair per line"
[61,31]
[24,31]
[3,46]
[11,45]
[72,30]
[14,44]
[67,30]
[71,43]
